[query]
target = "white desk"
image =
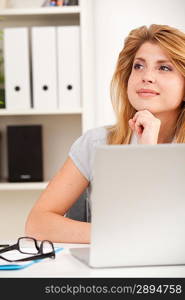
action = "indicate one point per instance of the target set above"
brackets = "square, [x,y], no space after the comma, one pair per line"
[67,266]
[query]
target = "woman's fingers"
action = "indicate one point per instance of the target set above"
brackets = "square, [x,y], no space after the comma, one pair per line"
[146,126]
[135,127]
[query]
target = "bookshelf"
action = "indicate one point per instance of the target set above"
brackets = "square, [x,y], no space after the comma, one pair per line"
[4,112]
[28,186]
[60,128]
[69,10]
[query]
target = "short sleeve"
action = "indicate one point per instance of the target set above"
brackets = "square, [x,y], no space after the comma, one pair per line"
[83,150]
[80,153]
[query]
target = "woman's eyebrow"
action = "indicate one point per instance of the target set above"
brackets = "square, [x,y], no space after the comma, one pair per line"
[158,61]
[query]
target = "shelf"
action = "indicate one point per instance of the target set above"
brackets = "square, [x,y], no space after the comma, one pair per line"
[16,186]
[40,11]
[4,112]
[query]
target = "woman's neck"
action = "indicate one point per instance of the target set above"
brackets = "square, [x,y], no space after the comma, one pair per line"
[168,127]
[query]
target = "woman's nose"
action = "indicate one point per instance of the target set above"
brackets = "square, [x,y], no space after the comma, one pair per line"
[148,76]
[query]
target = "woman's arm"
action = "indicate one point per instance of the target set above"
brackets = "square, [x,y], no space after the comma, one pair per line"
[46,219]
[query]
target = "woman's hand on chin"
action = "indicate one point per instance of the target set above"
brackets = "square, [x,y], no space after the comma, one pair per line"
[146,127]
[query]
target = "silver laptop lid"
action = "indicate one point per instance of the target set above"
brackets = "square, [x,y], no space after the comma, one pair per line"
[138,205]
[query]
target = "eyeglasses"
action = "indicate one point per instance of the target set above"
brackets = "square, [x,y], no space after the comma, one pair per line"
[29,245]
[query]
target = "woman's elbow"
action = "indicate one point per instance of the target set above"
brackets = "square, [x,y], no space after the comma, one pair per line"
[32,225]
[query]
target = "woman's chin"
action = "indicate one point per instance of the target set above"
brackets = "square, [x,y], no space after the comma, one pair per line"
[146,107]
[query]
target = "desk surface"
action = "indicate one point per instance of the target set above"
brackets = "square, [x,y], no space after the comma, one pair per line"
[66,266]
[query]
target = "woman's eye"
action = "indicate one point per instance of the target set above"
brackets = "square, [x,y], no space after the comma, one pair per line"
[165,68]
[138,66]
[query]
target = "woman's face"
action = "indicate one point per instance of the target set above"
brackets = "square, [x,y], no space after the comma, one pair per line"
[154,83]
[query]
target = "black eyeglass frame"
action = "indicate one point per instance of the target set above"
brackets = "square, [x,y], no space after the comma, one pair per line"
[39,248]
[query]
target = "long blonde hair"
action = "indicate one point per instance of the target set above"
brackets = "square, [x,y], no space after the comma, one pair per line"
[172,41]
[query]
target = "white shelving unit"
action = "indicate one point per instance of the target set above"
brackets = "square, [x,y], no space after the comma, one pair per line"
[60,128]
[41,11]
[4,112]
[28,186]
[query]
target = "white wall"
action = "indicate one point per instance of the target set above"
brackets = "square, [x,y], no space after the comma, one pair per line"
[15,207]
[113,20]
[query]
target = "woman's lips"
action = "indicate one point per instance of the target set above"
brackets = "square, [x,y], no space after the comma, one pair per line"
[147,93]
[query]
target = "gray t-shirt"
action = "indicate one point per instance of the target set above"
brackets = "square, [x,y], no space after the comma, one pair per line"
[83,150]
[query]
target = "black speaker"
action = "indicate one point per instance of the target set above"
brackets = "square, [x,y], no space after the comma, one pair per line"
[25,157]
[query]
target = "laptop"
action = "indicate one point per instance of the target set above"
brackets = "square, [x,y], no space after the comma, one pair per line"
[138,207]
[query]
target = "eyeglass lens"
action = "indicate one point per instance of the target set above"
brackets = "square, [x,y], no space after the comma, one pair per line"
[46,247]
[28,246]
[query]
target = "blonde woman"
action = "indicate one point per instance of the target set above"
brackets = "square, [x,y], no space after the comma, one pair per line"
[148,95]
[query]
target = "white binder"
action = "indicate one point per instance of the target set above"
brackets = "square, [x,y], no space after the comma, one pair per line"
[68,41]
[17,69]
[44,70]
